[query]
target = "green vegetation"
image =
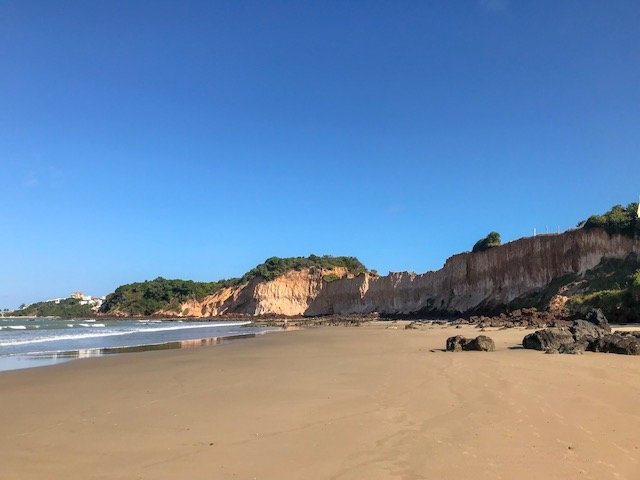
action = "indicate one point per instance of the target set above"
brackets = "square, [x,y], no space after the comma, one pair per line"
[491,240]
[276,266]
[331,277]
[539,299]
[634,286]
[613,285]
[610,301]
[620,220]
[610,274]
[67,308]
[149,297]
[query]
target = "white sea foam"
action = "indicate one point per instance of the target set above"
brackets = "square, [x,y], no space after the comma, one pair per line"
[17,327]
[112,333]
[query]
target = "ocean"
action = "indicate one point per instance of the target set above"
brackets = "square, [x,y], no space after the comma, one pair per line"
[30,342]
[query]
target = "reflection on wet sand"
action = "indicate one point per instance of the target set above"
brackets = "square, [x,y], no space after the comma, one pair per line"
[97,352]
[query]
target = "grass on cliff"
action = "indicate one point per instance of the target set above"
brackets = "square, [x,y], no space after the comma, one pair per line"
[152,296]
[613,285]
[540,299]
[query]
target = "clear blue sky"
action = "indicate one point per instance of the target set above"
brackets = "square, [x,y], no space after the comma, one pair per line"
[195,139]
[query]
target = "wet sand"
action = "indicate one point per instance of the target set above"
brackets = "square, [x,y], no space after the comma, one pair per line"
[326,403]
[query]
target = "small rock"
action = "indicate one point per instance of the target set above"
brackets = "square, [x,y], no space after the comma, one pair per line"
[481,343]
[454,344]
[576,348]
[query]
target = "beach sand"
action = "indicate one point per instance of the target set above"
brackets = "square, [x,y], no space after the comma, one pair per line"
[327,403]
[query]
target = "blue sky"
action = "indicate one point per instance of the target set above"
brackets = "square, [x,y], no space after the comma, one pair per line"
[195,139]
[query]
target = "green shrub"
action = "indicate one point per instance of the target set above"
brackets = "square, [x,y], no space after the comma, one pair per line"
[491,240]
[619,220]
[331,277]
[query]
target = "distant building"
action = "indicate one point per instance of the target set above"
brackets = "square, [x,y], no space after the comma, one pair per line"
[77,295]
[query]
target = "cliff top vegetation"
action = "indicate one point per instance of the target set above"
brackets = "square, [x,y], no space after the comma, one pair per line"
[67,308]
[160,294]
[491,240]
[618,220]
[276,266]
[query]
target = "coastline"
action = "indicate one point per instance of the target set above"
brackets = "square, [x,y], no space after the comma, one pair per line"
[37,360]
[378,401]
[42,341]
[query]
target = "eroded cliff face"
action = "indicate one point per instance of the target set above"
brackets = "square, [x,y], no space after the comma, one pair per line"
[467,281]
[289,294]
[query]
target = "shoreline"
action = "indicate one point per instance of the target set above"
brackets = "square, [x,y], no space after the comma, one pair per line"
[379,401]
[38,359]
[43,359]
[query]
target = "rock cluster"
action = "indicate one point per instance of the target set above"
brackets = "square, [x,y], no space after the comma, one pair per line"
[591,334]
[481,343]
[525,317]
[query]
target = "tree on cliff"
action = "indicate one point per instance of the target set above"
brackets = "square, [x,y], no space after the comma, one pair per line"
[620,220]
[491,240]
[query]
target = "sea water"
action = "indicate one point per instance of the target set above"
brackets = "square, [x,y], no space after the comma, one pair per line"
[28,342]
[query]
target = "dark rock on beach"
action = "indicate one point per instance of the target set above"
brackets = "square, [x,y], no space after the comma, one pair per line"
[592,334]
[525,317]
[455,344]
[584,331]
[596,317]
[616,343]
[548,339]
[481,343]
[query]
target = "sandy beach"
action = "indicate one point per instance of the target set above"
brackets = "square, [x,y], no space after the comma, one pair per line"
[327,403]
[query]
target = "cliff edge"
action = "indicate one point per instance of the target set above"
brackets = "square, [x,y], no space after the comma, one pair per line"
[483,280]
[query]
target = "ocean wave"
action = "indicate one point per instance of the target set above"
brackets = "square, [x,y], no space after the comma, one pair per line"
[113,333]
